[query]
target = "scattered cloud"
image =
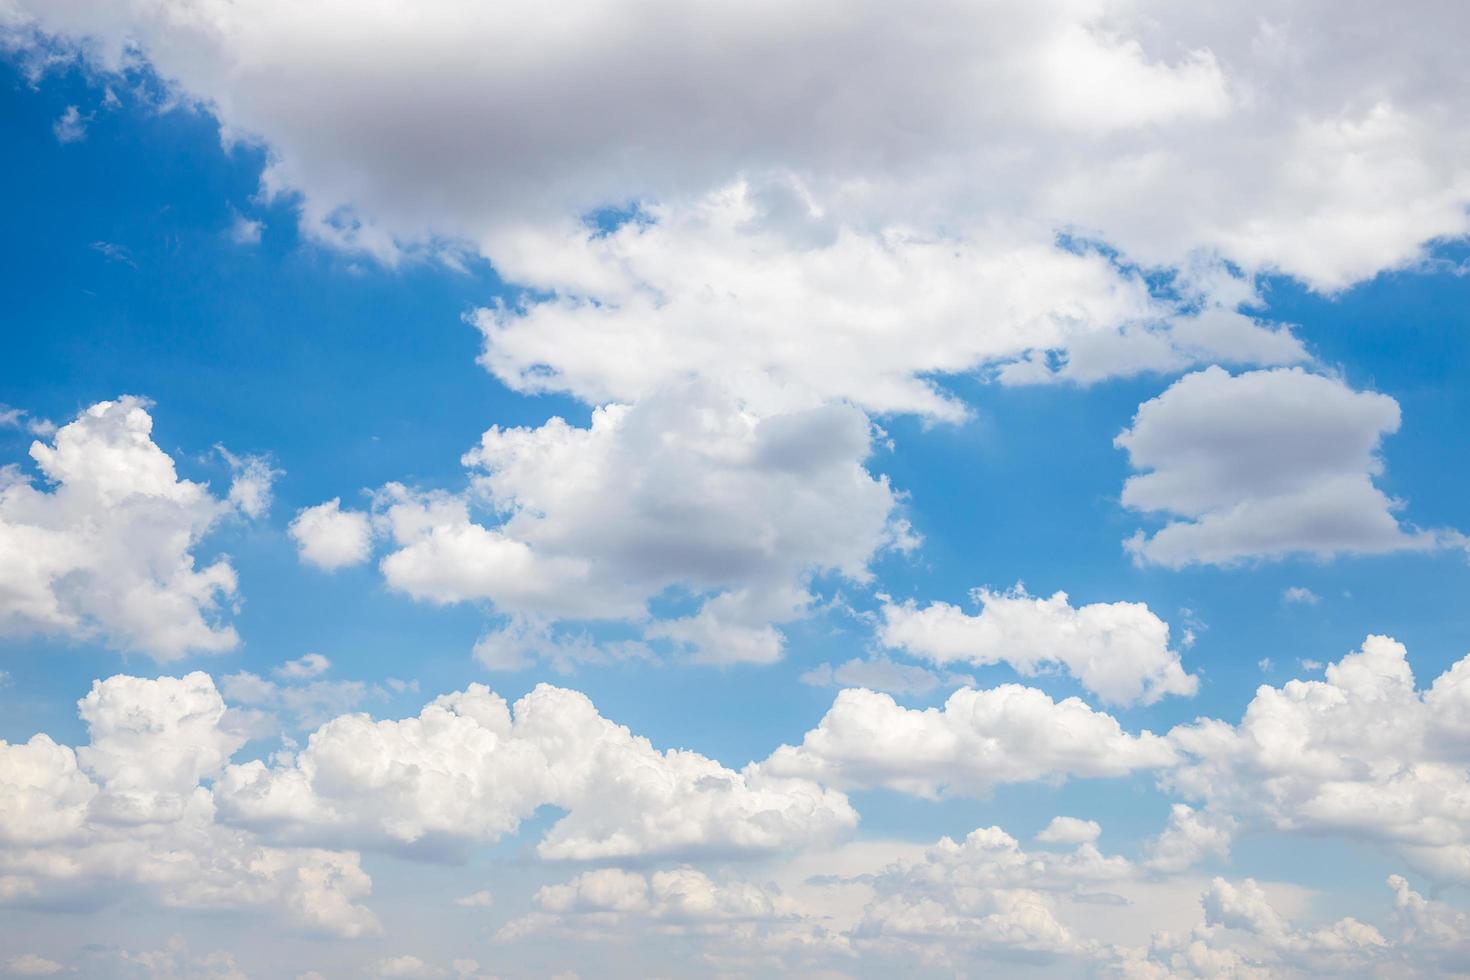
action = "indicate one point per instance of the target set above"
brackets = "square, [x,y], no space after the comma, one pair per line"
[1118,651]
[108,550]
[330,538]
[71,126]
[1264,464]
[1297,595]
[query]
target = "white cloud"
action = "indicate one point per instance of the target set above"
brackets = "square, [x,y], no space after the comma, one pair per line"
[71,126]
[303,668]
[727,922]
[1263,465]
[685,490]
[1242,934]
[1437,933]
[980,739]
[330,538]
[1189,838]
[469,769]
[911,232]
[907,244]
[882,674]
[680,899]
[1070,830]
[309,702]
[128,810]
[250,487]
[32,965]
[1118,651]
[1265,136]
[174,962]
[712,291]
[1300,596]
[1360,754]
[108,551]
[405,966]
[983,898]
[522,641]
[245,231]
[19,418]
[475,900]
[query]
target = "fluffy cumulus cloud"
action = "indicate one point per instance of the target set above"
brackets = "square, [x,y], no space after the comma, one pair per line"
[1119,651]
[1263,464]
[684,490]
[330,538]
[679,900]
[986,898]
[987,902]
[1243,934]
[714,290]
[153,808]
[1361,754]
[105,546]
[978,740]
[469,768]
[127,814]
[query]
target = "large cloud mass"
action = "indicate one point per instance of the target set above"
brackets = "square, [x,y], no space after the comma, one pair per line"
[842,198]
[469,769]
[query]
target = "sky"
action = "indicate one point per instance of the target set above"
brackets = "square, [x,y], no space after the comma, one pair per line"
[652,489]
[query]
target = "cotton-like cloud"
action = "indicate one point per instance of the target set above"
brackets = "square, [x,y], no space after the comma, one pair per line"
[685,490]
[679,899]
[304,667]
[985,897]
[468,768]
[1263,465]
[108,550]
[1360,754]
[250,488]
[331,538]
[1189,838]
[71,126]
[128,810]
[1069,830]
[1118,651]
[980,739]
[714,291]
[175,961]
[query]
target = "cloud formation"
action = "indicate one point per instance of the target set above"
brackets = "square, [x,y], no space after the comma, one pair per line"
[685,490]
[980,739]
[126,814]
[1264,464]
[107,551]
[927,202]
[1361,753]
[1118,651]
[470,768]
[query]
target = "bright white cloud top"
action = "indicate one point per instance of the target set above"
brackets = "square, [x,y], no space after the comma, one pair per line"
[107,549]
[784,327]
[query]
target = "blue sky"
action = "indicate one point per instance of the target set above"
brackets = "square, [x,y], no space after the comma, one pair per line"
[798,433]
